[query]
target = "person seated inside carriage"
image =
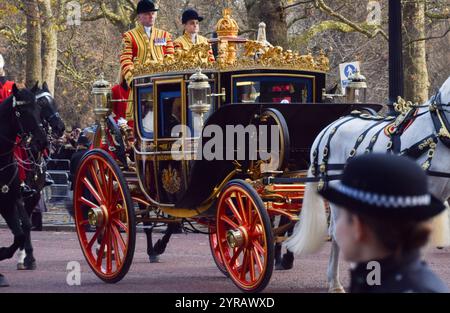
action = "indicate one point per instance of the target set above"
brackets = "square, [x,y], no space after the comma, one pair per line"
[272,90]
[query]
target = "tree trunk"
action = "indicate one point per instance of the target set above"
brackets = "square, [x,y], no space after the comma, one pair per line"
[270,12]
[415,61]
[50,44]
[33,54]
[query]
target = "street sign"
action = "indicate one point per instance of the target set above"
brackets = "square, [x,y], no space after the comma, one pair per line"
[347,70]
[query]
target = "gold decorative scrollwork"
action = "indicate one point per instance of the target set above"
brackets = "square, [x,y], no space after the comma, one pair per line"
[254,55]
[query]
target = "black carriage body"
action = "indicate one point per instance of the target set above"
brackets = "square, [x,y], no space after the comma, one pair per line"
[161,102]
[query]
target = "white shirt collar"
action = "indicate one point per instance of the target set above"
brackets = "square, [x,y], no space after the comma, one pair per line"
[148,31]
[194,38]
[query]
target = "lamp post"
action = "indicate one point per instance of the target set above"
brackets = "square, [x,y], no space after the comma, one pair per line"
[395,53]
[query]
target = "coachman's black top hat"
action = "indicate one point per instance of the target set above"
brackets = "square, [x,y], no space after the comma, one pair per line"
[191,14]
[385,186]
[145,6]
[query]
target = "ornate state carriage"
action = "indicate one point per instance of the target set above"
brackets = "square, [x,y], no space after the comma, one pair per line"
[236,194]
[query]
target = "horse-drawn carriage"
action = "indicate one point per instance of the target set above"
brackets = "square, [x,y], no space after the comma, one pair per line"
[204,151]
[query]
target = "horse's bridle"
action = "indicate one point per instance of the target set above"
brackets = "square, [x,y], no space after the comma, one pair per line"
[48,95]
[425,146]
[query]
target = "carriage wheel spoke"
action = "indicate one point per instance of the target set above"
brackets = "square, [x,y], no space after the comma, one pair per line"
[117,211]
[88,203]
[242,207]
[227,220]
[250,209]
[103,182]
[120,224]
[119,238]
[252,266]
[116,249]
[258,248]
[253,225]
[93,239]
[244,267]
[92,190]
[94,176]
[235,256]
[115,198]
[101,250]
[108,251]
[110,186]
[235,211]
[258,259]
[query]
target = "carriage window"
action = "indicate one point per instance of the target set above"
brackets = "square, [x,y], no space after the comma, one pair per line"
[146,111]
[275,89]
[169,109]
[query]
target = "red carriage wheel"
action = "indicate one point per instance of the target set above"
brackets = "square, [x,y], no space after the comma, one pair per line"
[215,251]
[104,216]
[245,237]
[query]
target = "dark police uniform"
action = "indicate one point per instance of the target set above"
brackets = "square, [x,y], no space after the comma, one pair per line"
[408,275]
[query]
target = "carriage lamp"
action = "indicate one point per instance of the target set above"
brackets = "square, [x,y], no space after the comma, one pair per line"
[356,90]
[199,92]
[101,90]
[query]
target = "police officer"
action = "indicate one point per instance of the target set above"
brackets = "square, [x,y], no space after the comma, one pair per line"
[384,208]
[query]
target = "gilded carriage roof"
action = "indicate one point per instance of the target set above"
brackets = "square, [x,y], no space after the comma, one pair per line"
[235,53]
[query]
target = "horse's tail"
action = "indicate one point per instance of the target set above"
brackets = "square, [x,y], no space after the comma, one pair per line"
[310,232]
[440,229]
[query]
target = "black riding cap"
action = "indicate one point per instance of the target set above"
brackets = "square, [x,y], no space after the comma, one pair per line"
[191,15]
[384,186]
[145,6]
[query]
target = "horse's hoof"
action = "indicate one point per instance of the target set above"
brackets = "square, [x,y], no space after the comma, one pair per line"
[153,258]
[339,289]
[284,266]
[279,267]
[31,266]
[3,281]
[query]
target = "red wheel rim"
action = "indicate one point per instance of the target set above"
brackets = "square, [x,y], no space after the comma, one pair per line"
[215,249]
[100,200]
[238,214]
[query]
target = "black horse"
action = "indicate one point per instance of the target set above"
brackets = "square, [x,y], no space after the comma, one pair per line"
[19,116]
[36,163]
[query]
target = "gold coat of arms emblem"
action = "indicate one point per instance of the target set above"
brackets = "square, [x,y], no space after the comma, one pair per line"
[171,180]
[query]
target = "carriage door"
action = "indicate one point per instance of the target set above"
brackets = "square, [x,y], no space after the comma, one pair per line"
[171,114]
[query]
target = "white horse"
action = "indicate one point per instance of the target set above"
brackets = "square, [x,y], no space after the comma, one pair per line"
[310,233]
